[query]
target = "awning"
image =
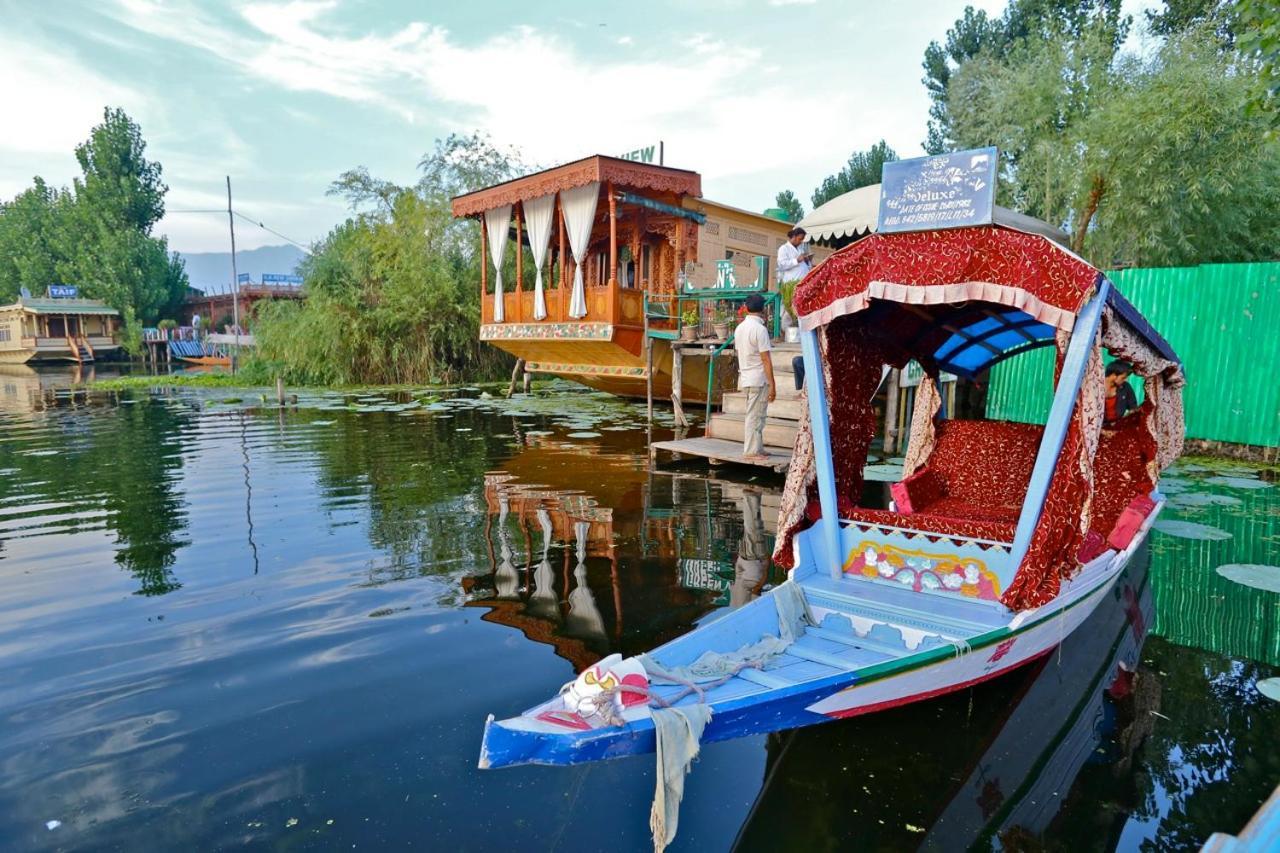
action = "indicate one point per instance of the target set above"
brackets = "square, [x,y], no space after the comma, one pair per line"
[855,214]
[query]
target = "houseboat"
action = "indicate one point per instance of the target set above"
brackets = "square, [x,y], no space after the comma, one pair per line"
[619,251]
[57,328]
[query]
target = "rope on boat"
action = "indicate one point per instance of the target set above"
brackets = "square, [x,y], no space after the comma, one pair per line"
[961,646]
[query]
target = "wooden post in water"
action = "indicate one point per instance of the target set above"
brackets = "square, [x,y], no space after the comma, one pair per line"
[891,412]
[280,390]
[528,378]
[677,384]
[515,375]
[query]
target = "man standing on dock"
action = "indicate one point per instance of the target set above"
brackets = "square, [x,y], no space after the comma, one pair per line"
[755,376]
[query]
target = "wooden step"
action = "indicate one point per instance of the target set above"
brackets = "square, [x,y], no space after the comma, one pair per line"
[783,408]
[777,432]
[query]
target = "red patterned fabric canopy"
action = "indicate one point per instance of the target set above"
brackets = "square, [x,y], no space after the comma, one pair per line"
[989,264]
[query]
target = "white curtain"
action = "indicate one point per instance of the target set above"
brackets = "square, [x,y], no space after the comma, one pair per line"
[579,206]
[538,214]
[498,224]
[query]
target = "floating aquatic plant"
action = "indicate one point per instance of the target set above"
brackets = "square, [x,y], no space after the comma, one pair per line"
[1238,482]
[1199,499]
[1269,687]
[1190,530]
[584,434]
[1255,575]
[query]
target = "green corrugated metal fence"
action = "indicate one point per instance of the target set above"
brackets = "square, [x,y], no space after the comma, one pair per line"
[1223,320]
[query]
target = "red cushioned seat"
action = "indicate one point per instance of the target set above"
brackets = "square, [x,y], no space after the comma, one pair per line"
[977,478]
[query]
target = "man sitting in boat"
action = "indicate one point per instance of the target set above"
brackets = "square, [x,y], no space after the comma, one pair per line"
[1120,396]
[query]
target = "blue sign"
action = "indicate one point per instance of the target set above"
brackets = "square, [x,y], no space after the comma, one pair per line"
[63,291]
[272,278]
[948,191]
[243,278]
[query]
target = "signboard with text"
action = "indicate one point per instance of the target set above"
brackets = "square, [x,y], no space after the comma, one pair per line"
[947,191]
[63,291]
[243,278]
[273,278]
[646,154]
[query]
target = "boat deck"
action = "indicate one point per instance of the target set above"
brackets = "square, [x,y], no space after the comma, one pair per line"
[863,624]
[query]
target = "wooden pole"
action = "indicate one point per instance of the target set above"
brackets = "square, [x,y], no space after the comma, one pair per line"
[891,413]
[515,375]
[484,267]
[613,236]
[648,379]
[677,384]
[560,222]
[519,267]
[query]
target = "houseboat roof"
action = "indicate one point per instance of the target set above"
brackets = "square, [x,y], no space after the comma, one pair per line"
[622,173]
[36,305]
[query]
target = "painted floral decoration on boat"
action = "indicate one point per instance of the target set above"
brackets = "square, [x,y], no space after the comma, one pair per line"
[919,570]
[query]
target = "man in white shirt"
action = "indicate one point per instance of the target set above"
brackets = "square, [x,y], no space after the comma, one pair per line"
[793,263]
[755,376]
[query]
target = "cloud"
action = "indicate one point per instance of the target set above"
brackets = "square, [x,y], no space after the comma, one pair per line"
[50,101]
[525,86]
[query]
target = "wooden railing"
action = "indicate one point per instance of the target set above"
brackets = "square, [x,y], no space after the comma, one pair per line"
[620,306]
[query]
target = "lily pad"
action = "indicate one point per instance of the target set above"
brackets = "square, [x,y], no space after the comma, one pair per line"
[538,432]
[1190,530]
[584,434]
[1238,483]
[1255,575]
[1198,499]
[1269,687]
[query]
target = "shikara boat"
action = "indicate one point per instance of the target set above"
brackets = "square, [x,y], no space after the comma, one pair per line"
[1000,539]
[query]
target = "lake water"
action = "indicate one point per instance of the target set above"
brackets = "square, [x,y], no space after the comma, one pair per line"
[227,624]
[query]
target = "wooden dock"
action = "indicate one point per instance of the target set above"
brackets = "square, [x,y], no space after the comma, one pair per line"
[724,432]
[723,450]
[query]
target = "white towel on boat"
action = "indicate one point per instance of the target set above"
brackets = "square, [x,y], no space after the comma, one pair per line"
[679,736]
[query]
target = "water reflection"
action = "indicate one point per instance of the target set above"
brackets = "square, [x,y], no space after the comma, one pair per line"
[214,713]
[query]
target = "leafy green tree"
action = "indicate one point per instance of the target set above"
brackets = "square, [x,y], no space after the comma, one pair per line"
[31,240]
[787,202]
[1259,41]
[1150,161]
[392,293]
[98,234]
[862,170]
[977,36]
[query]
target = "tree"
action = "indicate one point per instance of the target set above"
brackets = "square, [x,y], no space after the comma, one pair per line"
[975,36]
[31,240]
[392,292]
[787,202]
[1146,161]
[97,235]
[1259,27]
[862,170]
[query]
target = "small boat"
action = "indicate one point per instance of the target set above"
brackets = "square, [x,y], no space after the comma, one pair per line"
[999,539]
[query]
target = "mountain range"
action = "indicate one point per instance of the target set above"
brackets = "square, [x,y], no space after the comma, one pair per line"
[212,270]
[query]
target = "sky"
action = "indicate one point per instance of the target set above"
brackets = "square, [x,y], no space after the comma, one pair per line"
[756,95]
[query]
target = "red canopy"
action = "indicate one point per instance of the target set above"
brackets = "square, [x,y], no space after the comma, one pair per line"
[987,263]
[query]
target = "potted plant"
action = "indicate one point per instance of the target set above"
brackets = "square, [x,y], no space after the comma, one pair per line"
[720,323]
[689,325]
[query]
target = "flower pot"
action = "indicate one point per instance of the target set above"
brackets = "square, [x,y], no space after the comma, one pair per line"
[721,330]
[688,334]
